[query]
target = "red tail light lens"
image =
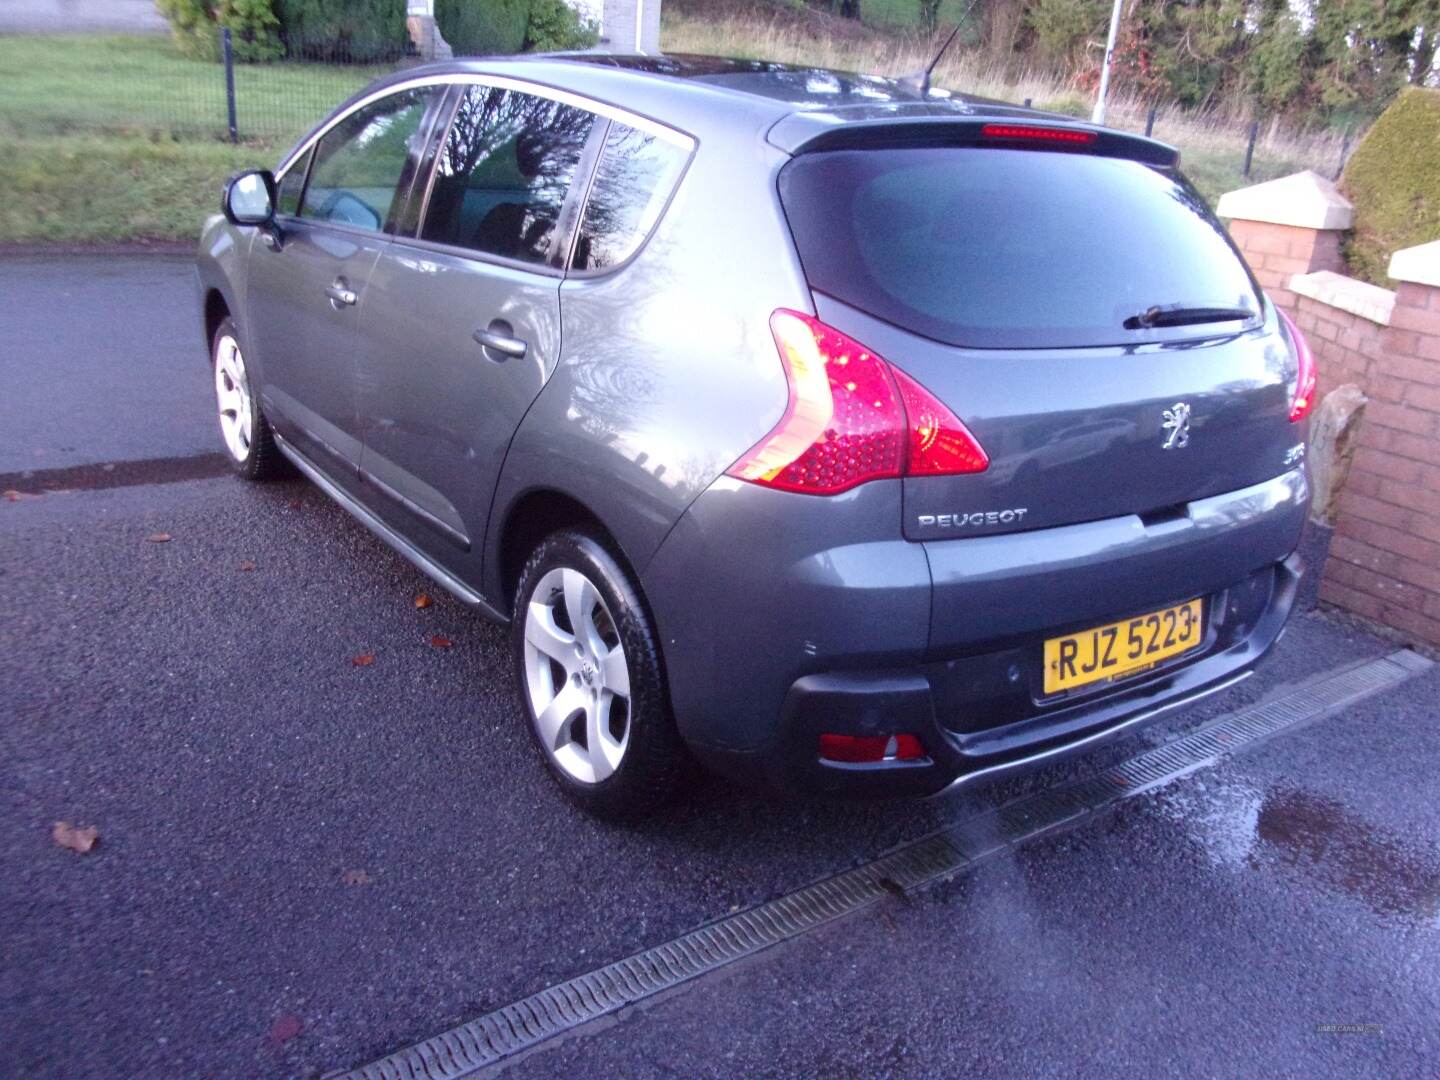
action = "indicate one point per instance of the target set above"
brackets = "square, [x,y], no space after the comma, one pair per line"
[1304,399]
[940,445]
[858,749]
[851,417]
[1031,133]
[843,423]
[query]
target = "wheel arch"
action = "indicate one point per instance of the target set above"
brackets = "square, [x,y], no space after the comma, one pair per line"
[216,309]
[528,519]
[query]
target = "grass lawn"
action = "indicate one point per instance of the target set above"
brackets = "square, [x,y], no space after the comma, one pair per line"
[905,14]
[108,138]
[129,83]
[81,189]
[1215,172]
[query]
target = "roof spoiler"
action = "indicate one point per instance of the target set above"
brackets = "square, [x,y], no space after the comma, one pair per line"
[809,132]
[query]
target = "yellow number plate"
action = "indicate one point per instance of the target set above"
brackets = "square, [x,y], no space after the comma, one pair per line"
[1107,652]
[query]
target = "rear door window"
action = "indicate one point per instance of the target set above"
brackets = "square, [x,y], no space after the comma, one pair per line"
[360,161]
[503,173]
[633,180]
[994,248]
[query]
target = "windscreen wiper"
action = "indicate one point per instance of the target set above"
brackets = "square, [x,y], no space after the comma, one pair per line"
[1182,315]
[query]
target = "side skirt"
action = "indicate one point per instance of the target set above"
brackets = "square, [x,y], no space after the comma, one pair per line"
[442,577]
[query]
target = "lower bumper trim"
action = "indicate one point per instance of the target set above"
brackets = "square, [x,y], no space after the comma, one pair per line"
[1089,740]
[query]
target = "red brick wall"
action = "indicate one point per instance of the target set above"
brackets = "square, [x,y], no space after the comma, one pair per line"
[1276,252]
[1385,555]
[1347,347]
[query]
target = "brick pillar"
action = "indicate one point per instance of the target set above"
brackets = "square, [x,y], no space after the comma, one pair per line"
[420,22]
[1385,558]
[1286,227]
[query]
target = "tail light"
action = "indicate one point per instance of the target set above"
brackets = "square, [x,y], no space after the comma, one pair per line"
[1304,399]
[851,417]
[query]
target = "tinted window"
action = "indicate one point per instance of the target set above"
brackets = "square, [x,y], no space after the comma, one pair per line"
[503,173]
[358,163]
[1021,248]
[632,181]
[287,191]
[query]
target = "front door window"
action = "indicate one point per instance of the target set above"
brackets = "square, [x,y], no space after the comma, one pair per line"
[360,161]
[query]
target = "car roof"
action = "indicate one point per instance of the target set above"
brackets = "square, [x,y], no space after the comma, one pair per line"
[704,94]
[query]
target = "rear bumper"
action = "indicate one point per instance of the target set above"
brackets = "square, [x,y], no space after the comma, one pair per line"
[782,619]
[979,716]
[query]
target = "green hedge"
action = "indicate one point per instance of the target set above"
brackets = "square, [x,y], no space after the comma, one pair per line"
[1393,178]
[483,27]
[196,26]
[364,31]
[489,27]
[554,25]
[345,31]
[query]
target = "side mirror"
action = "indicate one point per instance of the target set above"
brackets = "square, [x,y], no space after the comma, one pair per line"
[249,197]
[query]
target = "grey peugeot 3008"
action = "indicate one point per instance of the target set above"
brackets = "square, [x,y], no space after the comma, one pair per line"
[852,438]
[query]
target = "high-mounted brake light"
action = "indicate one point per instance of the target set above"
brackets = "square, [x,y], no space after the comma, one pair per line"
[851,417]
[1032,133]
[1305,379]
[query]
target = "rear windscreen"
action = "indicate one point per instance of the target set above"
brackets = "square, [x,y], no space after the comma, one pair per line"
[995,248]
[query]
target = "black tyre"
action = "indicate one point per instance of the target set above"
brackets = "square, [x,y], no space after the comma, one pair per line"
[249,442]
[591,680]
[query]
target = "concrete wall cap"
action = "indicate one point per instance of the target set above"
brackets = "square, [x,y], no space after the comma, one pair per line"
[1357,297]
[1304,199]
[1418,265]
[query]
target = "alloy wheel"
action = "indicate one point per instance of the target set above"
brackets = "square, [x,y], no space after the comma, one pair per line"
[232,396]
[576,676]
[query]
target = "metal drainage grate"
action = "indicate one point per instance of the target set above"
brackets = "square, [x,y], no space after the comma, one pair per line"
[556,1009]
[1198,749]
[526,1023]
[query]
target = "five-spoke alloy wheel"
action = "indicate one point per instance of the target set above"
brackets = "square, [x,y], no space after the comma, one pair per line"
[576,676]
[232,395]
[243,427]
[591,679]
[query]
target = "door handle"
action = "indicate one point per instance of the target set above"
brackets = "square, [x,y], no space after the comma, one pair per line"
[341,293]
[499,337]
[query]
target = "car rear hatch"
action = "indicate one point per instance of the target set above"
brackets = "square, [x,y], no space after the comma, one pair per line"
[1068,296]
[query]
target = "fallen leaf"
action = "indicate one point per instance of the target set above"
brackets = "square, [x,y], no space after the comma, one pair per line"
[247,566]
[75,838]
[363,660]
[286,1028]
[158,538]
[440,642]
[295,504]
[11,495]
[423,600]
[356,877]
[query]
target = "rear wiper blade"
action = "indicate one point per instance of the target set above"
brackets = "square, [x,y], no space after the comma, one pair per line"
[1181,315]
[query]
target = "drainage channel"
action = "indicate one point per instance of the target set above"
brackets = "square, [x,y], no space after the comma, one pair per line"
[525,1024]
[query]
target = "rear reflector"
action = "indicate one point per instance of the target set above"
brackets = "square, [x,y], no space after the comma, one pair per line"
[859,749]
[1031,133]
[850,418]
[1305,379]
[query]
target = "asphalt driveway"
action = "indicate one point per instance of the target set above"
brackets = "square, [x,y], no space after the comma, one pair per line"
[304,863]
